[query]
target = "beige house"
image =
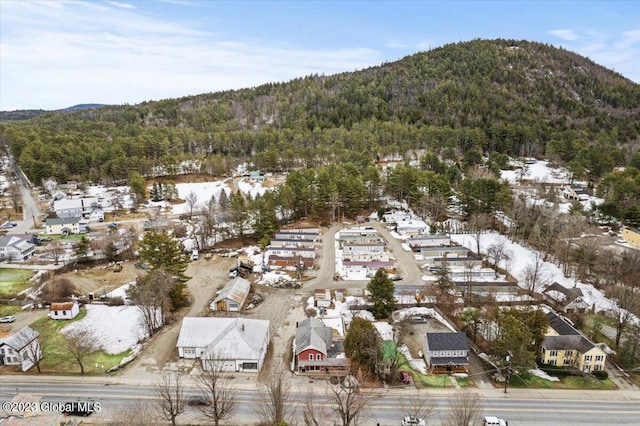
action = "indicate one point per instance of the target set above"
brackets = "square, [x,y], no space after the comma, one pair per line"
[564,346]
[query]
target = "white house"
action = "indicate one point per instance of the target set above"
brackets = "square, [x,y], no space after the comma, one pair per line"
[429,240]
[65,310]
[21,348]
[360,248]
[306,252]
[228,344]
[68,207]
[13,247]
[232,296]
[412,227]
[64,226]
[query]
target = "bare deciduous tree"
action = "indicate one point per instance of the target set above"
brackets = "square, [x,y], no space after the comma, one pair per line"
[497,253]
[315,412]
[191,200]
[137,414]
[170,392]
[150,295]
[535,272]
[464,409]
[81,342]
[32,344]
[478,224]
[419,406]
[273,397]
[627,299]
[217,387]
[347,400]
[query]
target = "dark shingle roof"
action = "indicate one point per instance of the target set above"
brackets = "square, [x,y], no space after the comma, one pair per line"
[447,341]
[446,360]
[561,327]
[563,343]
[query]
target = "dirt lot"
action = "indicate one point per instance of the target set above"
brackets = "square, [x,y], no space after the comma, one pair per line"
[101,278]
[415,338]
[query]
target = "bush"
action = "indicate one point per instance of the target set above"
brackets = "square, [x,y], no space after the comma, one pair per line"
[601,375]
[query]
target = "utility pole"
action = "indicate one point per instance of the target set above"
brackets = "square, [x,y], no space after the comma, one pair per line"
[507,371]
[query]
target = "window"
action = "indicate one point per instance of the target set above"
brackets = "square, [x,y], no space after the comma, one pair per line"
[552,362]
[599,357]
[319,357]
[587,357]
[310,357]
[567,361]
[553,353]
[55,313]
[597,367]
[568,353]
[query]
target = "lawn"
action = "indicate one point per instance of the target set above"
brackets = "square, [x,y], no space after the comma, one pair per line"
[57,358]
[6,310]
[568,382]
[13,281]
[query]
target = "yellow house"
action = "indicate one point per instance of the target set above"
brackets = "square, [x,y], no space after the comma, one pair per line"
[632,237]
[564,346]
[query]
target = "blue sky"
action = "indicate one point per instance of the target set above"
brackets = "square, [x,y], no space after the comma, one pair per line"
[55,54]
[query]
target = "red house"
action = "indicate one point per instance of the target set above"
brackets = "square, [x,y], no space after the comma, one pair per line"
[317,352]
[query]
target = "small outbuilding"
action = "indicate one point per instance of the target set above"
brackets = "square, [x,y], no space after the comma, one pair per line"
[65,310]
[232,297]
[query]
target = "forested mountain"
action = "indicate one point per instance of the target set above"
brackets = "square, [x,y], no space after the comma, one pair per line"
[491,96]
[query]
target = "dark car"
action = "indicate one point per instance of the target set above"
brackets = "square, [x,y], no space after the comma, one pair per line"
[80,408]
[198,400]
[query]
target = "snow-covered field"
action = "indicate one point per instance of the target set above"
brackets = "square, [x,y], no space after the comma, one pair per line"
[117,328]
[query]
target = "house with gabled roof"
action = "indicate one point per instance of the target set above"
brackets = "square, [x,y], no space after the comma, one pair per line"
[318,350]
[64,226]
[446,352]
[564,346]
[13,247]
[225,344]
[20,348]
[64,310]
[232,297]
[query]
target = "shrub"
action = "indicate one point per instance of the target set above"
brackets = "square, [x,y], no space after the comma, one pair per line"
[601,375]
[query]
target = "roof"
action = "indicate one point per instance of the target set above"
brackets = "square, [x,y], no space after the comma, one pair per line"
[312,333]
[64,306]
[560,326]
[20,339]
[230,338]
[446,360]
[570,293]
[62,221]
[447,341]
[236,290]
[562,343]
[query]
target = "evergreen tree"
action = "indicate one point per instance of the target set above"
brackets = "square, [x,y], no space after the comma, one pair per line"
[137,187]
[362,344]
[381,294]
[82,249]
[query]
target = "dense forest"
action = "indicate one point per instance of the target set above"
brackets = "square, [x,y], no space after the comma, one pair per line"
[456,104]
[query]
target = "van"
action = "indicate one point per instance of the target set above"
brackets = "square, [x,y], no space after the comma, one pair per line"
[194,255]
[494,421]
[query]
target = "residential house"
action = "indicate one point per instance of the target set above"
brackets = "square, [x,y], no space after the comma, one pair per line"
[227,344]
[574,192]
[349,249]
[486,287]
[446,352]
[289,263]
[366,235]
[364,269]
[571,298]
[441,251]
[294,233]
[465,262]
[16,248]
[66,226]
[64,310]
[28,237]
[21,348]
[256,176]
[232,297]
[306,252]
[318,349]
[292,242]
[429,240]
[565,346]
[412,227]
[322,298]
[75,207]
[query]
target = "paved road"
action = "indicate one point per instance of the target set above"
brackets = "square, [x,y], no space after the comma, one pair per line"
[519,406]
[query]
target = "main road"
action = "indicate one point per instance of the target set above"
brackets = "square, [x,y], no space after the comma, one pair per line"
[518,406]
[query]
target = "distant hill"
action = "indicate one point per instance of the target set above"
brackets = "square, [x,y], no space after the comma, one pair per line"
[511,97]
[26,114]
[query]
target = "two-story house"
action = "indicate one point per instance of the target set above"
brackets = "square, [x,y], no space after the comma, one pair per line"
[446,352]
[13,247]
[21,348]
[565,346]
[317,351]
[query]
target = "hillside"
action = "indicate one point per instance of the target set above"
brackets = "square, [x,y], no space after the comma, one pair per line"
[505,96]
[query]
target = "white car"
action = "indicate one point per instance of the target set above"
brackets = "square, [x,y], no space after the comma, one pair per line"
[413,421]
[494,421]
[9,318]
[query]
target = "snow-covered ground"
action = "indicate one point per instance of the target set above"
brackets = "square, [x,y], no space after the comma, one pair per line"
[538,172]
[116,328]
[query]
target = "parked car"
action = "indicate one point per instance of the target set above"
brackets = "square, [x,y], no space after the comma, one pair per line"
[413,421]
[494,421]
[194,255]
[8,318]
[406,379]
[416,319]
[80,408]
[198,400]
[396,277]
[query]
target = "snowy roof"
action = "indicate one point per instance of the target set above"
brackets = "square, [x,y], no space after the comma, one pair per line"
[236,290]
[233,338]
[20,339]
[67,203]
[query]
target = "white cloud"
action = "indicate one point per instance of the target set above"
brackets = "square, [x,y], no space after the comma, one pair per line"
[565,34]
[58,55]
[122,5]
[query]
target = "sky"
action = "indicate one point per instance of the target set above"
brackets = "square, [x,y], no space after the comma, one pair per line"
[55,54]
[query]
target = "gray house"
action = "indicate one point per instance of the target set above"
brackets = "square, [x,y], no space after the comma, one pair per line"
[446,352]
